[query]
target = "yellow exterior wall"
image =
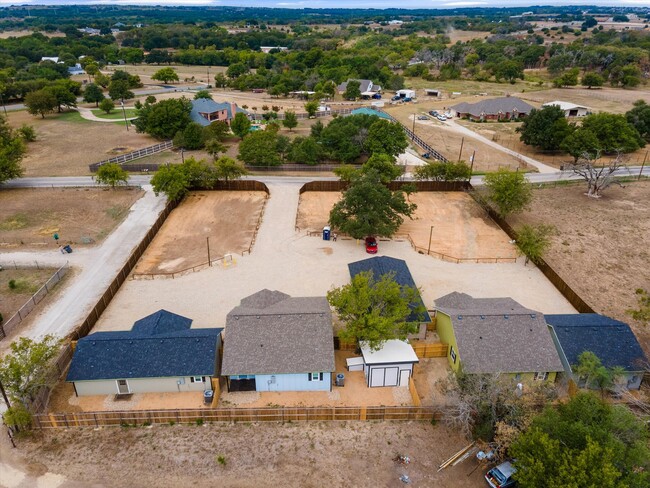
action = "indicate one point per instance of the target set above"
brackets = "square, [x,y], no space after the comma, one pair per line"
[446,333]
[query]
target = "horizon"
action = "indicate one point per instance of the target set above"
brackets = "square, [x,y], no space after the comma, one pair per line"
[340,4]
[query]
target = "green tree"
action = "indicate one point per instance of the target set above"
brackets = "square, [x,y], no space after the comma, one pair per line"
[172,180]
[93,94]
[369,208]
[627,76]
[119,90]
[12,150]
[290,120]
[580,142]
[592,79]
[545,128]
[613,132]
[107,105]
[533,241]
[165,118]
[352,90]
[228,169]
[508,191]
[305,150]
[190,137]
[40,102]
[384,165]
[510,70]
[386,137]
[165,75]
[240,125]
[259,149]
[220,80]
[311,108]
[568,78]
[64,97]
[24,370]
[102,80]
[216,130]
[376,309]
[437,171]
[346,172]
[202,94]
[112,174]
[641,314]
[594,373]
[639,118]
[214,147]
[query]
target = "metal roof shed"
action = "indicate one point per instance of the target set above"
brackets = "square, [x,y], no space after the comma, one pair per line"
[391,365]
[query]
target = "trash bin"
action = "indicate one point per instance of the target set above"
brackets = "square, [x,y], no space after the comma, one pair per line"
[208,395]
[326,233]
[340,379]
[67,249]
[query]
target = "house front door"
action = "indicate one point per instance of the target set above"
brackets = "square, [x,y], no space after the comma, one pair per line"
[122,387]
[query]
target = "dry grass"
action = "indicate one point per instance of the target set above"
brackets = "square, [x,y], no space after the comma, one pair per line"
[24,32]
[66,144]
[600,249]
[81,216]
[26,281]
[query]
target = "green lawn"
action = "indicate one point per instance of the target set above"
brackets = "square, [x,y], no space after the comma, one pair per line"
[71,116]
[115,114]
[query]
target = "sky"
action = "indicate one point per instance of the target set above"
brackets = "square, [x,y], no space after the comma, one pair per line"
[340,3]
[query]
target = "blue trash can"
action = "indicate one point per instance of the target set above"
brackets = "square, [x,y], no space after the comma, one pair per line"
[326,233]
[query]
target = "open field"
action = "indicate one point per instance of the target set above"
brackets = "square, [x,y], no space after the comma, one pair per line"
[228,218]
[81,216]
[448,142]
[461,228]
[600,249]
[66,144]
[145,71]
[456,35]
[305,455]
[21,33]
[27,282]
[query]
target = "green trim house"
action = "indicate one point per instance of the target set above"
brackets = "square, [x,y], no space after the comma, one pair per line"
[496,335]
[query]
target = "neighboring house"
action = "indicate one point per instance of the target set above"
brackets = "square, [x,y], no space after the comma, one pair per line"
[267,49]
[611,340]
[504,108]
[274,342]
[496,335]
[570,109]
[54,59]
[382,265]
[161,353]
[370,111]
[205,111]
[367,87]
[76,70]
[405,93]
[391,365]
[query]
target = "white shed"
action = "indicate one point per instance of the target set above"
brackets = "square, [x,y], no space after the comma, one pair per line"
[392,365]
[405,93]
[570,109]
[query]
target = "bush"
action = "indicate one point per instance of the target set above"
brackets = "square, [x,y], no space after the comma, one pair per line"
[107,105]
[27,132]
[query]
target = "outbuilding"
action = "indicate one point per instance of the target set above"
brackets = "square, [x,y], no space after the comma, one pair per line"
[405,93]
[569,109]
[391,365]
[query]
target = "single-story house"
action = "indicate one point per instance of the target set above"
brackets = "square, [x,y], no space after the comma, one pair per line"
[161,353]
[205,111]
[274,342]
[370,111]
[570,109]
[381,265]
[367,87]
[390,365]
[54,59]
[76,70]
[504,108]
[496,335]
[405,93]
[611,340]
[268,49]
[433,92]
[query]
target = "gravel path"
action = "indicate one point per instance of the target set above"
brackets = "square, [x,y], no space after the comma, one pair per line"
[87,114]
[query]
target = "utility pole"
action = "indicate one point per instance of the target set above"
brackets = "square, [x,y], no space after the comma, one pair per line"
[208,242]
[462,142]
[126,122]
[471,160]
[430,236]
[642,166]
[413,131]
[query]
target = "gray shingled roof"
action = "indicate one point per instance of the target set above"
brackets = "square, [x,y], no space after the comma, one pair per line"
[498,335]
[493,106]
[206,105]
[273,333]
[364,84]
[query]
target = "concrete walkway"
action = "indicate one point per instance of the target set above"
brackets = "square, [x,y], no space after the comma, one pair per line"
[543,168]
[95,268]
[88,114]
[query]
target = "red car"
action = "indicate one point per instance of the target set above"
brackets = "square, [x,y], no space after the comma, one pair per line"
[371,245]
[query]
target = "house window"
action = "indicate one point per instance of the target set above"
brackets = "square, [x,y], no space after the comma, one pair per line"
[541,376]
[452,353]
[197,379]
[315,376]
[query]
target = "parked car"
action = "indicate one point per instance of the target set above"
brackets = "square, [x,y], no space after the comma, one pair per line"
[395,98]
[501,476]
[423,117]
[371,245]
[377,96]
[407,99]
[441,118]
[434,113]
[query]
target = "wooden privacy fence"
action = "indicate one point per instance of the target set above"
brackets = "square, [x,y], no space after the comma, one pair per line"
[430,349]
[25,310]
[562,286]
[198,416]
[139,153]
[338,185]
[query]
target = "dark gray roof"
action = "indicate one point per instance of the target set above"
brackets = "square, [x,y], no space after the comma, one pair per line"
[493,106]
[381,265]
[364,84]
[498,335]
[273,333]
[206,105]
[161,345]
[611,340]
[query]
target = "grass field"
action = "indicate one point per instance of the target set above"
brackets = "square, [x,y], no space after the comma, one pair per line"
[115,115]
[24,283]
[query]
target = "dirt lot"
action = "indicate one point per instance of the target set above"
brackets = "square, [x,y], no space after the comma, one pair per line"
[66,144]
[460,228]
[601,247]
[354,454]
[229,218]
[81,216]
[28,281]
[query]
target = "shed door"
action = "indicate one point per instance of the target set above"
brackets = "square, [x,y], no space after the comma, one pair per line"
[377,376]
[404,376]
[391,376]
